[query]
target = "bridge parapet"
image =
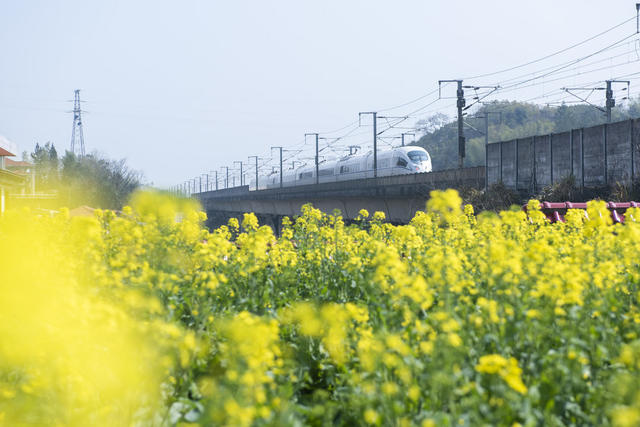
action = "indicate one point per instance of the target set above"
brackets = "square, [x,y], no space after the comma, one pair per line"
[399,197]
[399,185]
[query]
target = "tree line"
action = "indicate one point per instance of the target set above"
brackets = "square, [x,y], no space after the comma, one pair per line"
[91,180]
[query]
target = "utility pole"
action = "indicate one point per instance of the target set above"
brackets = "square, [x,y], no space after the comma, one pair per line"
[77,140]
[486,144]
[375,135]
[610,101]
[212,174]
[280,148]
[240,161]
[375,144]
[226,183]
[256,157]
[407,133]
[206,183]
[462,106]
[375,139]
[461,102]
[486,123]
[317,158]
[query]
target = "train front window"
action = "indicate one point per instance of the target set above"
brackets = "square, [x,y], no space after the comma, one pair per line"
[418,156]
[402,162]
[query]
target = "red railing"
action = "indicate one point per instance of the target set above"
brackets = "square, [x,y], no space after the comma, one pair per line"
[555,211]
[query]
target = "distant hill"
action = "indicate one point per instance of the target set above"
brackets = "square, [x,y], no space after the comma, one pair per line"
[517,120]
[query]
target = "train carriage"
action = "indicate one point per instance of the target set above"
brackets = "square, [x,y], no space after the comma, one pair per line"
[397,161]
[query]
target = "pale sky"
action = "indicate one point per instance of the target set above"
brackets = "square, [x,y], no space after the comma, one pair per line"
[180,88]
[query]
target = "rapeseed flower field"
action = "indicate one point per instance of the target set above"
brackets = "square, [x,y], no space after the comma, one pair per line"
[148,318]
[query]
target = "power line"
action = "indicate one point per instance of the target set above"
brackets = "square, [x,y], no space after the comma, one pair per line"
[571,63]
[342,128]
[502,82]
[513,88]
[410,102]
[552,54]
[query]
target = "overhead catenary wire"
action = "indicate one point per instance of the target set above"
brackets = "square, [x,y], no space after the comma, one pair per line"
[570,63]
[513,88]
[515,67]
[413,101]
[628,52]
[551,54]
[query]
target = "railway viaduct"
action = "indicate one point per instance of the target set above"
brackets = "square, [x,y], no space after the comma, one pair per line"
[399,197]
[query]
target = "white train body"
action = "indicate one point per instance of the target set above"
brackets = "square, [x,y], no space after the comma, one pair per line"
[397,161]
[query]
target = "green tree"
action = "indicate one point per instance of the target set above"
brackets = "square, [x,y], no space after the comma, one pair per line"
[45,159]
[97,181]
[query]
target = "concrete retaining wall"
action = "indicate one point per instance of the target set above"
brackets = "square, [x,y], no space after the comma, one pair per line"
[596,156]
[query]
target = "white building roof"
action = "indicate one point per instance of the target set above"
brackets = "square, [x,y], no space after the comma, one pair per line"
[7,148]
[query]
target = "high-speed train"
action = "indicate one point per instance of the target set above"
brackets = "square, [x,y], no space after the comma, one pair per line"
[396,161]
